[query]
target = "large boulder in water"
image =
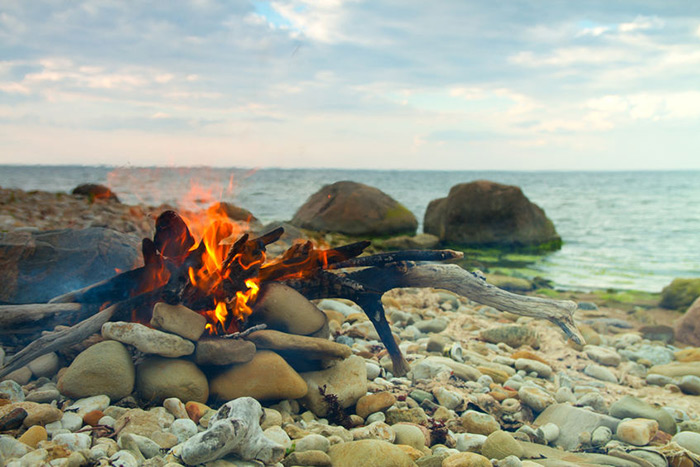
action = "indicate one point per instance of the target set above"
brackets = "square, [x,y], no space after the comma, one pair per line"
[95,191]
[37,266]
[355,209]
[485,213]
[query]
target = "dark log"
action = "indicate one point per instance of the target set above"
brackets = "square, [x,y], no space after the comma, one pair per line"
[36,317]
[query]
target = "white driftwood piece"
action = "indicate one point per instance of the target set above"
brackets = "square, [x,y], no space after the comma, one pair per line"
[234,429]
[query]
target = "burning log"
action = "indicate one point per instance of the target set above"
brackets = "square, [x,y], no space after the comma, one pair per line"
[221,280]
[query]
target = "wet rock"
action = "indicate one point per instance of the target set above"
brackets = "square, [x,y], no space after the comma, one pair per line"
[603,355]
[512,334]
[346,379]
[311,348]
[220,352]
[284,309]
[637,431]
[688,440]
[466,459]
[572,421]
[147,340]
[104,368]
[631,407]
[369,453]
[178,319]
[159,378]
[488,213]
[500,444]
[600,373]
[354,209]
[543,370]
[372,403]
[266,377]
[234,429]
[535,398]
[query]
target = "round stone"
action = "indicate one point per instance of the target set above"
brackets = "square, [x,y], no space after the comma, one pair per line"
[160,378]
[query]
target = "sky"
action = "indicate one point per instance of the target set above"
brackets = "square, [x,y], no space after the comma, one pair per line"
[405,84]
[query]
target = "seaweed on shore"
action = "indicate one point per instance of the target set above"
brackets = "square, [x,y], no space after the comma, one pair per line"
[336,414]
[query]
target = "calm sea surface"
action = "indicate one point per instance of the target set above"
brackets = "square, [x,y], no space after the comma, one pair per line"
[624,230]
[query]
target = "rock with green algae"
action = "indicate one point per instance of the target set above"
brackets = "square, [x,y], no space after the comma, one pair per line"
[680,293]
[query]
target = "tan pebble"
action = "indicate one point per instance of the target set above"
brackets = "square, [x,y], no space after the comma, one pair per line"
[372,403]
[498,376]
[442,414]
[92,417]
[529,355]
[466,459]
[334,316]
[637,431]
[499,445]
[412,452]
[34,435]
[196,410]
[691,354]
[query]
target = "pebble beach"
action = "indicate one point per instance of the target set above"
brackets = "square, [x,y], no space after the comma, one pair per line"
[485,387]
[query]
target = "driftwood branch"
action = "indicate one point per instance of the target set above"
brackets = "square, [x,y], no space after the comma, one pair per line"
[30,317]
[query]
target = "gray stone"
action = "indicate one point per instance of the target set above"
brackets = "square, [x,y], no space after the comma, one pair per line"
[373,370]
[656,354]
[73,441]
[46,365]
[573,420]
[178,319]
[658,380]
[409,435]
[542,369]
[688,440]
[184,429]
[448,399]
[312,442]
[603,355]
[564,394]
[469,442]
[631,407]
[159,378]
[71,421]
[45,394]
[432,325]
[601,373]
[690,384]
[147,340]
[655,459]
[217,351]
[430,367]
[535,398]
[513,335]
[376,430]
[601,436]
[88,404]
[593,400]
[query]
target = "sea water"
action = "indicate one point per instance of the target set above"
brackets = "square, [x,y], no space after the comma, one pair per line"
[622,230]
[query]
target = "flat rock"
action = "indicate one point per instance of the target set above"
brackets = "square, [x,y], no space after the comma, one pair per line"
[603,355]
[513,335]
[266,377]
[284,309]
[631,407]
[219,351]
[690,384]
[347,379]
[501,444]
[369,453]
[313,348]
[104,368]
[147,340]
[572,421]
[159,378]
[688,440]
[542,369]
[178,319]
[478,423]
[677,369]
[535,398]
[429,367]
[466,459]
[600,372]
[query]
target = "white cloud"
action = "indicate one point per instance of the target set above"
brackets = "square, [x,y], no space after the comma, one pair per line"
[641,23]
